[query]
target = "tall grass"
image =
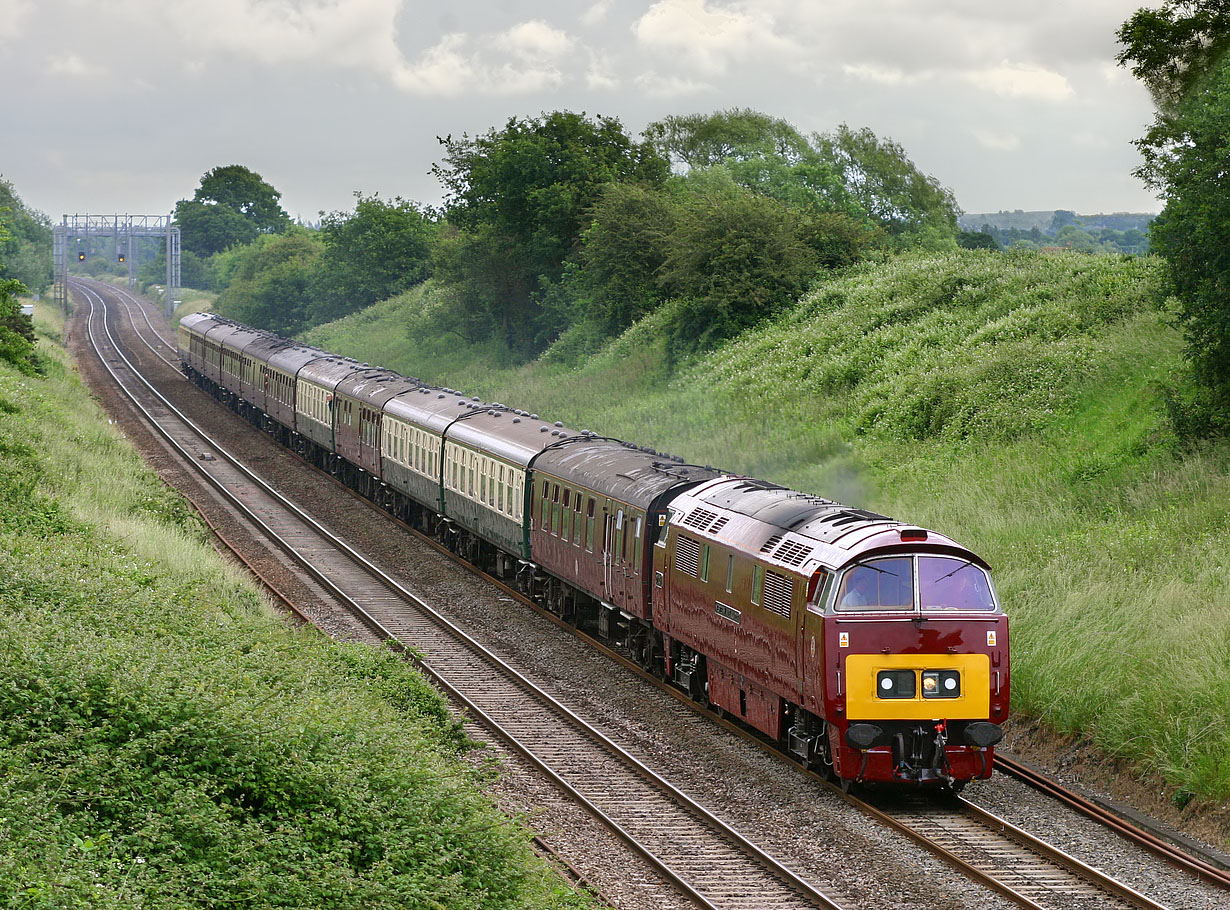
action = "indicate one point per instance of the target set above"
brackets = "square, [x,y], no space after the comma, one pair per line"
[1013,402]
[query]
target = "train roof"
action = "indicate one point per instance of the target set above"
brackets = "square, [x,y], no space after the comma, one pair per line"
[200,322]
[268,345]
[514,436]
[292,356]
[799,531]
[618,469]
[428,407]
[329,370]
[236,337]
[374,385]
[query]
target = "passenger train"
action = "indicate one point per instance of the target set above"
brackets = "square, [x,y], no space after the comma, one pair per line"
[872,650]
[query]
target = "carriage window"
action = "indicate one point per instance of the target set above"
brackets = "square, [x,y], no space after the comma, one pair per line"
[757,584]
[576,520]
[589,525]
[881,584]
[953,584]
[730,573]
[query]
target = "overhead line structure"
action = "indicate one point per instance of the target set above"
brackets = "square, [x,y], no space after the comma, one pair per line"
[124,230]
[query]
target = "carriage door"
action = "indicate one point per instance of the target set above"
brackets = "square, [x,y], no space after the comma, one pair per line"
[619,545]
[608,553]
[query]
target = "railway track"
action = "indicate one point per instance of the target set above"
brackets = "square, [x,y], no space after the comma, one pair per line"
[690,845]
[985,848]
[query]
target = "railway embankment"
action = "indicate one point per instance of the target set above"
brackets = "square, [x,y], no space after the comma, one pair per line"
[1030,405]
[166,739]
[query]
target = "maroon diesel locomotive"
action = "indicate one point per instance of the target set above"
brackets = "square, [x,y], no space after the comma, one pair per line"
[862,645]
[870,649]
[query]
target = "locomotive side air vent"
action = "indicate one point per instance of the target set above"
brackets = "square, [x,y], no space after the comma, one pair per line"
[768,545]
[687,555]
[778,592]
[793,553]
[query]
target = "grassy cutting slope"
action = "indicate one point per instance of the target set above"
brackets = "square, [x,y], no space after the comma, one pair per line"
[167,742]
[1011,401]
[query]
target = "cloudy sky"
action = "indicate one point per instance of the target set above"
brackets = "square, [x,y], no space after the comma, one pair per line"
[121,106]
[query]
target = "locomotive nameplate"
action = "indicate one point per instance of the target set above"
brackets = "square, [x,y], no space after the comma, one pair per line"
[735,616]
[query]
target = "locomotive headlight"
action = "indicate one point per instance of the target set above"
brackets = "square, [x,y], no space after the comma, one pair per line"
[895,684]
[941,683]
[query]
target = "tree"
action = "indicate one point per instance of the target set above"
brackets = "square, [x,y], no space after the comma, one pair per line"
[734,258]
[206,229]
[247,193]
[740,134]
[624,250]
[912,207]
[376,252]
[271,282]
[976,240]
[25,240]
[848,172]
[233,205]
[1171,49]
[1182,53]
[763,153]
[520,196]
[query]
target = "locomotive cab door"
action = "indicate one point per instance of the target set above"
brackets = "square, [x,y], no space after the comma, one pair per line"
[811,643]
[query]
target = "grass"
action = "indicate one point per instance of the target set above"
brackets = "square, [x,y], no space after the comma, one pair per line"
[1013,402]
[167,741]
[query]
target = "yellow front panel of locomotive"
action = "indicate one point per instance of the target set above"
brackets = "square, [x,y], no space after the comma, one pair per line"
[863,702]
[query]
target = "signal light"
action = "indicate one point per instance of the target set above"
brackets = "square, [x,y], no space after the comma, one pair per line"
[121,257]
[81,256]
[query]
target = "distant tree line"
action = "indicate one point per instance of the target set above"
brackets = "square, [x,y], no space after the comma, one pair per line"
[1065,230]
[563,224]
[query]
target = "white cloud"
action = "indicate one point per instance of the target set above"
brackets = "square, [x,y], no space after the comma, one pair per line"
[12,12]
[72,65]
[534,41]
[997,141]
[659,86]
[352,33]
[596,14]
[601,74]
[709,37]
[465,65]
[882,75]
[1022,80]
[444,69]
